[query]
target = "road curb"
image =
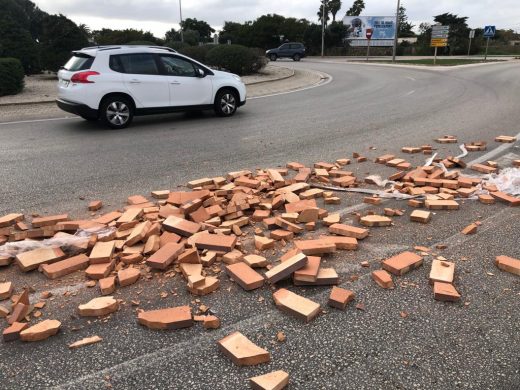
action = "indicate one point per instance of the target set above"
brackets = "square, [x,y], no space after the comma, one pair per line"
[293,72]
[27,103]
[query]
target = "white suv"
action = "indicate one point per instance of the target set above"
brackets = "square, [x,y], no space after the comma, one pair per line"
[114,83]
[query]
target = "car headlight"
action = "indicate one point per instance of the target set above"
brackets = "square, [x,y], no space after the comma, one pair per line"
[237,78]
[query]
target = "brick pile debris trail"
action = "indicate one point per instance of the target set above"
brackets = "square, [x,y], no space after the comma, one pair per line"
[196,233]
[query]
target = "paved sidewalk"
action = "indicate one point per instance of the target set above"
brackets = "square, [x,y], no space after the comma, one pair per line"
[41,90]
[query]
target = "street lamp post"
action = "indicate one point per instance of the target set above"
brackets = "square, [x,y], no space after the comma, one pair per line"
[396,29]
[322,27]
[180,14]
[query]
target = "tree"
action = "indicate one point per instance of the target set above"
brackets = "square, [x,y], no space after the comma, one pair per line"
[324,6]
[172,35]
[357,7]
[59,37]
[334,6]
[459,32]
[107,36]
[204,29]
[405,27]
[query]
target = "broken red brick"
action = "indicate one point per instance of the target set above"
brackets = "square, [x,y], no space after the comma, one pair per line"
[402,263]
[6,289]
[49,220]
[348,231]
[12,333]
[375,220]
[441,204]
[300,307]
[420,216]
[165,255]
[100,306]
[41,331]
[286,268]
[65,267]
[180,226]
[30,260]
[315,247]
[99,271]
[442,271]
[508,264]
[171,318]
[445,292]
[245,276]
[242,351]
[276,380]
[128,276]
[10,219]
[102,252]
[309,272]
[503,197]
[107,285]
[216,242]
[340,297]
[211,322]
[383,278]
[470,229]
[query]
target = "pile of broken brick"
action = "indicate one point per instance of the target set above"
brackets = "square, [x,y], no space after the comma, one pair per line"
[193,232]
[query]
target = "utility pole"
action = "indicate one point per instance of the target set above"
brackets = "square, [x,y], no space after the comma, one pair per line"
[180,13]
[322,27]
[396,29]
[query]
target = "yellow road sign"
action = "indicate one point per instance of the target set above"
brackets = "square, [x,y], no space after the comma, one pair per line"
[439,42]
[444,44]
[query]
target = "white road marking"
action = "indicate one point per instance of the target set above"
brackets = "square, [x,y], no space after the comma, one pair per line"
[39,120]
[492,153]
[410,93]
[411,78]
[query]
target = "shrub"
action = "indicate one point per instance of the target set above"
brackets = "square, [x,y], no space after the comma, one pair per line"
[11,76]
[236,59]
[198,53]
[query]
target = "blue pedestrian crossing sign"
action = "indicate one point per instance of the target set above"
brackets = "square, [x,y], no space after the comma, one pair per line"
[489,31]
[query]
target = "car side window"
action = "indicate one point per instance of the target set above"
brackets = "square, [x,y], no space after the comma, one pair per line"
[141,63]
[285,46]
[176,66]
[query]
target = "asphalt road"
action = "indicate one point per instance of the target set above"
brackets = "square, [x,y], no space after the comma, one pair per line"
[474,344]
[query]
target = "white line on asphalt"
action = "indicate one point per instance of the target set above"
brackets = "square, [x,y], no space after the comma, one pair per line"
[320,83]
[38,120]
[411,78]
[410,93]
[489,155]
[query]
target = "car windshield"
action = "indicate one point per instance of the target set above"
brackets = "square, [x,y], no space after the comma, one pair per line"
[79,62]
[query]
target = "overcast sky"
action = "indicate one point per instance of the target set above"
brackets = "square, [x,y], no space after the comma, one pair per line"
[158,16]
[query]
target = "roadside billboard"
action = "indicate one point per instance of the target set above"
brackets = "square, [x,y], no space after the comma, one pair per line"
[383,27]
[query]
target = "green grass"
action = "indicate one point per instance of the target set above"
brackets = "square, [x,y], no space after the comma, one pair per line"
[440,62]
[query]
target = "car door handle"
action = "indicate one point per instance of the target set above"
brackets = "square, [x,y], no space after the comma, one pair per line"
[135,81]
[175,82]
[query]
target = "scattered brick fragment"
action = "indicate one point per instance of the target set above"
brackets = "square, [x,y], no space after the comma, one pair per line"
[470,229]
[86,341]
[445,292]
[508,264]
[28,261]
[402,263]
[505,139]
[286,268]
[12,332]
[315,247]
[100,306]
[41,331]
[65,267]
[276,380]
[383,278]
[102,252]
[263,243]
[309,272]
[348,231]
[420,216]
[245,276]
[340,297]
[375,220]
[95,205]
[442,271]
[242,351]
[325,277]
[128,276]
[211,322]
[6,289]
[165,255]
[300,307]
[171,318]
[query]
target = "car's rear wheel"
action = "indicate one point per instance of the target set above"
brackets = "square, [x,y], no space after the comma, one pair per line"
[226,102]
[117,112]
[296,57]
[273,57]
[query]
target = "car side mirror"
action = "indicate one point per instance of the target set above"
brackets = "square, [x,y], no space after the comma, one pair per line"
[200,73]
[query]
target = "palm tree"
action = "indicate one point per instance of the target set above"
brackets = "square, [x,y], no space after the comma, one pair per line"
[334,7]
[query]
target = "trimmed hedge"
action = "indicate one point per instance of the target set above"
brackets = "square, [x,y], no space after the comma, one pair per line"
[11,76]
[198,53]
[235,59]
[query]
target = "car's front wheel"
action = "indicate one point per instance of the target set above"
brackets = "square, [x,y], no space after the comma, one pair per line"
[117,112]
[296,57]
[273,57]
[226,103]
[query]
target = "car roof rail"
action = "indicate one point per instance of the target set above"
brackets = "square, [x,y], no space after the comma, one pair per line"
[164,48]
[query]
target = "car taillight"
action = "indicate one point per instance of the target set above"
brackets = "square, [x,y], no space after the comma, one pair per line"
[82,77]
